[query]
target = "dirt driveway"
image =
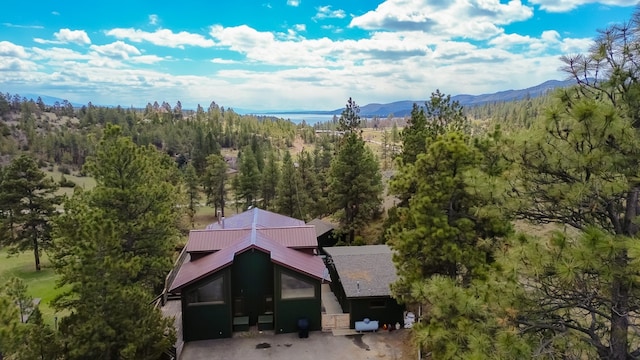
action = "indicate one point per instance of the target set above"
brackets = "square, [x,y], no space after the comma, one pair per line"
[319,345]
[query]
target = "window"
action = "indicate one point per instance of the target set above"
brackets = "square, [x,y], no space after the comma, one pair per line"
[295,288]
[210,293]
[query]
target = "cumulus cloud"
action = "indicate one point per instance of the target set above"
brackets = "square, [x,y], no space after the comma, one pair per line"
[478,19]
[292,50]
[153,19]
[72,36]
[293,2]
[16,65]
[325,12]
[58,55]
[567,5]
[10,49]
[162,37]
[117,50]
[300,27]
[549,41]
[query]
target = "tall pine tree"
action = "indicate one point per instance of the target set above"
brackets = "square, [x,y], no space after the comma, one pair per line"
[356,184]
[27,205]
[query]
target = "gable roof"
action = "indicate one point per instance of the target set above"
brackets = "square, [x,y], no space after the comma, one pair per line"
[278,242]
[295,237]
[364,270]
[258,217]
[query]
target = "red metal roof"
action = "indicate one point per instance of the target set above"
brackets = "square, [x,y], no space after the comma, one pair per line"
[261,219]
[292,237]
[214,240]
[278,242]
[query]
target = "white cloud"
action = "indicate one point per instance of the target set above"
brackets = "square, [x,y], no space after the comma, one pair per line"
[147,59]
[223,61]
[16,65]
[293,2]
[549,41]
[474,19]
[23,26]
[58,55]
[162,37]
[567,5]
[44,41]
[153,19]
[72,36]
[300,27]
[55,13]
[117,50]
[10,49]
[325,12]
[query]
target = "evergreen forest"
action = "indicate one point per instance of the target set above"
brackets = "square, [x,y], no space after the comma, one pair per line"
[514,225]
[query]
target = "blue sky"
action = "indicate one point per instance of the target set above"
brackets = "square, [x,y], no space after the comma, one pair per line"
[290,54]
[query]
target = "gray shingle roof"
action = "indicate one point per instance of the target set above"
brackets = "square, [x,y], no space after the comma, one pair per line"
[364,270]
[322,227]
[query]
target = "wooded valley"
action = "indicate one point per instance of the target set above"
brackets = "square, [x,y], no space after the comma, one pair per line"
[514,225]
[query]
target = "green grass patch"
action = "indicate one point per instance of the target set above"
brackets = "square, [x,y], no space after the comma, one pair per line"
[85,182]
[41,284]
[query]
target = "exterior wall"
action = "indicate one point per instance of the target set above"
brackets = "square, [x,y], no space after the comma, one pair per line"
[337,289]
[288,311]
[327,239]
[370,307]
[252,282]
[204,321]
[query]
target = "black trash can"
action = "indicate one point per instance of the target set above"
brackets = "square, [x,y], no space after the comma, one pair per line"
[303,328]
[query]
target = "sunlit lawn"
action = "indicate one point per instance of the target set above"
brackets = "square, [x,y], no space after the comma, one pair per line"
[84,182]
[42,284]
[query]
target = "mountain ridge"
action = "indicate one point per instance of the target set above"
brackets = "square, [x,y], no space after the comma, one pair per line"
[403,107]
[397,108]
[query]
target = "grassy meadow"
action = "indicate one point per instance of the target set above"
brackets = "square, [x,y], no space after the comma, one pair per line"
[42,284]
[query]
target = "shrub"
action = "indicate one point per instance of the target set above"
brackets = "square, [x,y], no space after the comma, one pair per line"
[66,183]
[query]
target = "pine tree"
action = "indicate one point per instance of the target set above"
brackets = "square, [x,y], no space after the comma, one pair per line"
[311,194]
[214,181]
[16,290]
[138,188]
[445,241]
[356,183]
[288,194]
[192,186]
[270,179]
[249,178]
[109,312]
[27,205]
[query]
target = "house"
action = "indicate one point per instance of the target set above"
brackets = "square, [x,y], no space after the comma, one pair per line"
[360,278]
[256,268]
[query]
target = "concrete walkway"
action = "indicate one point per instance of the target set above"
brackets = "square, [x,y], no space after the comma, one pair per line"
[319,345]
[329,301]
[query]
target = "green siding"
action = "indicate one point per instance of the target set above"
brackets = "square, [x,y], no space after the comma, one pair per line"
[202,322]
[252,281]
[362,308]
[288,311]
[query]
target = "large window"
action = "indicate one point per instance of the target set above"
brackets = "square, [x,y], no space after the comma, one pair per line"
[210,293]
[296,288]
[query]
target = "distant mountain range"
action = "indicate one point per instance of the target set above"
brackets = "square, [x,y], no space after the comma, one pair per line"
[398,108]
[403,108]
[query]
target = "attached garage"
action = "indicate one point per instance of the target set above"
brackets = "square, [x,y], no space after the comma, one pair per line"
[360,278]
